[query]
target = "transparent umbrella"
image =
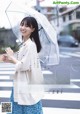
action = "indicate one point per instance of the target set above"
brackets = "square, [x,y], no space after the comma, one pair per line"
[49,54]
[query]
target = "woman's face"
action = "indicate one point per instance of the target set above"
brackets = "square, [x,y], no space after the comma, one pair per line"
[26,30]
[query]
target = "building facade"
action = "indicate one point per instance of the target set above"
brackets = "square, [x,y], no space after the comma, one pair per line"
[69,21]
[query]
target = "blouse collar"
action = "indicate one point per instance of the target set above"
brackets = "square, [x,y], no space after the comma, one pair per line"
[27,42]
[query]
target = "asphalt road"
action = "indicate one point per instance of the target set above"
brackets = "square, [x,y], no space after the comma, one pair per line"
[68,70]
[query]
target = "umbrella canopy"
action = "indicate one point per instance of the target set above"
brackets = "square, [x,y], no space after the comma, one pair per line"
[48,35]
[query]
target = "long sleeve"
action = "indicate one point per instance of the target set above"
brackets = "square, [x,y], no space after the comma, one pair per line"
[24,63]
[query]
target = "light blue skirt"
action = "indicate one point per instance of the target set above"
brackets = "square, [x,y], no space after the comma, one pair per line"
[25,109]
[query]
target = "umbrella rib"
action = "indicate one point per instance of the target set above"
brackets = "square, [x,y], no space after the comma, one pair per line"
[6,13]
[17,11]
[47,59]
[8,20]
[46,35]
[8,6]
[50,47]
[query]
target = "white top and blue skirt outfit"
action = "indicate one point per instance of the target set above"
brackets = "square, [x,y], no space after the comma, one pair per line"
[28,88]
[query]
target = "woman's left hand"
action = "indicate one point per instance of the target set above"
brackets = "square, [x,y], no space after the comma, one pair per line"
[10,56]
[9,51]
[6,58]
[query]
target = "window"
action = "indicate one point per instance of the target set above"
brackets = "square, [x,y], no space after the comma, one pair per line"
[70,16]
[78,28]
[78,14]
[64,19]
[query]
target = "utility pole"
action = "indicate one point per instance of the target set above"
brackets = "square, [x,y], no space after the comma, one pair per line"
[57,13]
[38,6]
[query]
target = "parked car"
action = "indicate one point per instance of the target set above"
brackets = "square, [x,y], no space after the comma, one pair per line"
[67,41]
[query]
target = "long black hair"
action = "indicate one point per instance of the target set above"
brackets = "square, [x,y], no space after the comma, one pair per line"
[31,22]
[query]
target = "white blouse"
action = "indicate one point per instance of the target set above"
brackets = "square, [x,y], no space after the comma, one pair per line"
[28,78]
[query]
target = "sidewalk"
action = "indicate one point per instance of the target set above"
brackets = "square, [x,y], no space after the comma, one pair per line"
[60,111]
[56,111]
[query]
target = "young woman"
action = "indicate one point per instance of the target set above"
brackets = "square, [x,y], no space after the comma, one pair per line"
[27,92]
